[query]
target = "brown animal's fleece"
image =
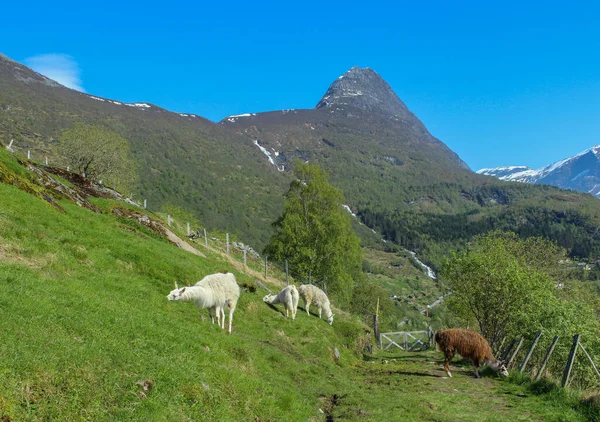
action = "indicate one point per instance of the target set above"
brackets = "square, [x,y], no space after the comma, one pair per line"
[467,343]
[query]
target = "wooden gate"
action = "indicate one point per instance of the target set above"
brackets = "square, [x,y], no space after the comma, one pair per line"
[407,340]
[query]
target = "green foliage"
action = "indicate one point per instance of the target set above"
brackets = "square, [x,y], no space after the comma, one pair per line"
[98,285]
[365,295]
[100,154]
[499,283]
[510,287]
[315,234]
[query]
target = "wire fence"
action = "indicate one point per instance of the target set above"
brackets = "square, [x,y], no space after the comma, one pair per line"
[216,240]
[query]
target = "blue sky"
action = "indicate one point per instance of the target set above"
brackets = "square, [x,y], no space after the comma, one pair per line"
[500,83]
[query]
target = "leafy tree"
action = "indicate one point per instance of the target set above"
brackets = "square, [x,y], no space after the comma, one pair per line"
[315,234]
[99,153]
[502,283]
[512,287]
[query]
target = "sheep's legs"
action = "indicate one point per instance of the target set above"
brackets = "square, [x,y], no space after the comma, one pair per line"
[307,306]
[231,309]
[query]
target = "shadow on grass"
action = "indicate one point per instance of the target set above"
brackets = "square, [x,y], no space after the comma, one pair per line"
[276,309]
[415,358]
[413,374]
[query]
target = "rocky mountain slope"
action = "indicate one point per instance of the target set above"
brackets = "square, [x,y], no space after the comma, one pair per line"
[365,136]
[580,172]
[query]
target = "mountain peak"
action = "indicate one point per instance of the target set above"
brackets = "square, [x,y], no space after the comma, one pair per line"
[365,89]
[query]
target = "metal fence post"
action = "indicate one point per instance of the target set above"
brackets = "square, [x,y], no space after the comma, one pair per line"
[508,349]
[528,355]
[514,354]
[567,372]
[546,358]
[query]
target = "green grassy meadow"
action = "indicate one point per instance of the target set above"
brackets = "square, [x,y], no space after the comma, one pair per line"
[87,334]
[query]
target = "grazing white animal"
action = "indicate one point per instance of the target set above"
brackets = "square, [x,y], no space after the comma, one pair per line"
[288,296]
[312,294]
[215,292]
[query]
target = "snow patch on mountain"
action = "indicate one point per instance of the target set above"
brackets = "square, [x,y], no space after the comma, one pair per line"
[269,155]
[139,105]
[580,175]
[234,117]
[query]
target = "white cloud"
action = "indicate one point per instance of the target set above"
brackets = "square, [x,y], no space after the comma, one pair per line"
[60,67]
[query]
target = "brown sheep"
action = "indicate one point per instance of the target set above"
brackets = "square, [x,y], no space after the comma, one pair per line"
[468,344]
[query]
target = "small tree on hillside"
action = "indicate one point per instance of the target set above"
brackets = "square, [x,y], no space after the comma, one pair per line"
[99,153]
[503,283]
[315,234]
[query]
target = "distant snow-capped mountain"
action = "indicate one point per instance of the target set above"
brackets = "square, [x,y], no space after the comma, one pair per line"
[580,172]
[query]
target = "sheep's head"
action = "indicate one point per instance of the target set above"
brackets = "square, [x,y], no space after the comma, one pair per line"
[268,298]
[330,319]
[176,294]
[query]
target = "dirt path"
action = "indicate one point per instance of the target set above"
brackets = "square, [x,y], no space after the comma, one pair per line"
[413,387]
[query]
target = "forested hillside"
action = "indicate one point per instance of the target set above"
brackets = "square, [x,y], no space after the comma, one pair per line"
[395,176]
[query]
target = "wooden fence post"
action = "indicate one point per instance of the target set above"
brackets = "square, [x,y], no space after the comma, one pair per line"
[287,274]
[499,348]
[145,203]
[28,154]
[169,220]
[514,354]
[188,229]
[528,355]
[245,251]
[546,358]
[266,263]
[46,160]
[227,242]
[205,239]
[508,349]
[567,372]
[430,336]
[376,326]
[69,170]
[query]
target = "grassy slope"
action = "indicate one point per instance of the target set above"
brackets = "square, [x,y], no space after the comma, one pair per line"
[84,321]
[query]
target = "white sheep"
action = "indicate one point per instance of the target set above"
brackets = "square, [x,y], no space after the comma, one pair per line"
[215,292]
[288,296]
[312,294]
